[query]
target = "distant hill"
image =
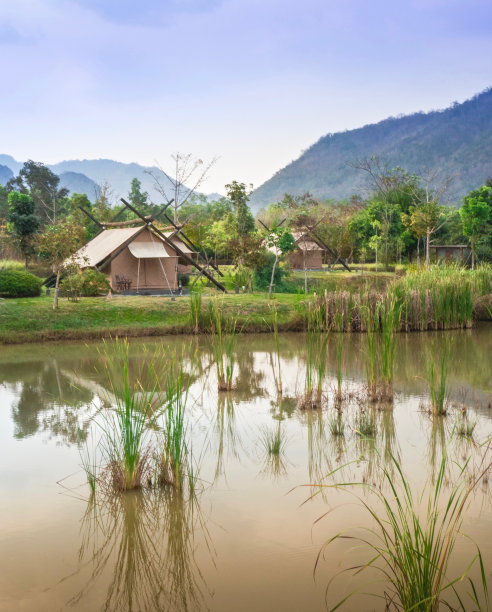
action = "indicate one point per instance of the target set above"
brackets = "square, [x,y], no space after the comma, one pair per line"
[117,174]
[457,140]
[76,182]
[5,174]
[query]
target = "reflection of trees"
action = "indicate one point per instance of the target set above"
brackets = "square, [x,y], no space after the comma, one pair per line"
[47,401]
[144,542]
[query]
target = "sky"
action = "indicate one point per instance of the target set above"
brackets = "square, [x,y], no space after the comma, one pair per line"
[252,82]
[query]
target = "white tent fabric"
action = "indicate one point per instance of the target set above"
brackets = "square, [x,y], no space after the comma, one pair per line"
[148,250]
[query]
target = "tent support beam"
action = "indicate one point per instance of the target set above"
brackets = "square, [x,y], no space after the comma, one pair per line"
[176,248]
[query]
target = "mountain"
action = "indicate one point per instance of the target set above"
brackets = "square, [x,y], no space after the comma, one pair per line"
[456,140]
[76,182]
[116,174]
[5,174]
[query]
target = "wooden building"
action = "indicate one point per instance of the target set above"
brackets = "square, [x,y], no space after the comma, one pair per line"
[308,253]
[459,253]
[135,259]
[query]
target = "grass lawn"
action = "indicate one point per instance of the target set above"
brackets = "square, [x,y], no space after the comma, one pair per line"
[33,319]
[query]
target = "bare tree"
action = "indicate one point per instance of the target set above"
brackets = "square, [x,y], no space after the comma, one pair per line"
[188,174]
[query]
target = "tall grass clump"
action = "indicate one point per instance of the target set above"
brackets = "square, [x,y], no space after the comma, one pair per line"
[440,297]
[128,416]
[223,345]
[316,355]
[195,310]
[278,375]
[437,374]
[174,453]
[273,440]
[412,541]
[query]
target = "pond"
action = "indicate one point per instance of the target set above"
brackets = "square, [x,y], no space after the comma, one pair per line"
[250,538]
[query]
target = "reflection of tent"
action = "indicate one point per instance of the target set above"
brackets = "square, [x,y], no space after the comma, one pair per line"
[135,258]
[308,252]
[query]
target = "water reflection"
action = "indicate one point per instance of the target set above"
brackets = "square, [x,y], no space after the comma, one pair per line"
[142,545]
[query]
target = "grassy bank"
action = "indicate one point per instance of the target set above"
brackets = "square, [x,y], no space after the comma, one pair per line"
[441,298]
[33,319]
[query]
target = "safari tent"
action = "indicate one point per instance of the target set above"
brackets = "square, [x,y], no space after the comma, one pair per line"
[135,259]
[308,252]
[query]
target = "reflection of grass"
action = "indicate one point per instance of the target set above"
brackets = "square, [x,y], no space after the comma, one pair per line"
[413,549]
[145,543]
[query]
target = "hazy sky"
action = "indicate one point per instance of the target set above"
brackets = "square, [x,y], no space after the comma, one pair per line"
[252,81]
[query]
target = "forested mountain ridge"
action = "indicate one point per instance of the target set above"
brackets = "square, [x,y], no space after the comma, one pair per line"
[456,140]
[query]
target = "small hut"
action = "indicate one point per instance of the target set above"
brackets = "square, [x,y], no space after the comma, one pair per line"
[135,259]
[459,253]
[308,254]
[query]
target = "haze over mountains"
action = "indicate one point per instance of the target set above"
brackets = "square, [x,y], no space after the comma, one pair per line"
[457,141]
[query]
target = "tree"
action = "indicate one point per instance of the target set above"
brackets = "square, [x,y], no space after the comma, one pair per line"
[180,184]
[282,241]
[57,243]
[22,222]
[475,213]
[375,239]
[44,187]
[138,199]
[239,196]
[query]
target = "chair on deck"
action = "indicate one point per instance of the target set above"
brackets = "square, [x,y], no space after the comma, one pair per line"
[122,283]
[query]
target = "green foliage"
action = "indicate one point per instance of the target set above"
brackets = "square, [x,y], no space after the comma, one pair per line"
[23,223]
[87,283]
[239,197]
[19,283]
[263,273]
[476,214]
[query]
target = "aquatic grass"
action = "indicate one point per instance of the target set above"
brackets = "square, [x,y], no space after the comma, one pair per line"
[413,538]
[336,426]
[316,356]
[339,358]
[128,416]
[89,461]
[196,310]
[366,424]
[437,373]
[174,459]
[273,440]
[389,316]
[463,426]
[223,345]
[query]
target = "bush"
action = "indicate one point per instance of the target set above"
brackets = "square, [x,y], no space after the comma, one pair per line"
[88,283]
[263,275]
[19,283]
[184,279]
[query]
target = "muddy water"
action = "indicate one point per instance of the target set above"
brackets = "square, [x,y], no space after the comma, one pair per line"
[249,540]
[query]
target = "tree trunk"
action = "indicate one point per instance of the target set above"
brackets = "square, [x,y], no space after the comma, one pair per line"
[55,297]
[427,249]
[270,288]
[473,253]
[376,260]
[418,252]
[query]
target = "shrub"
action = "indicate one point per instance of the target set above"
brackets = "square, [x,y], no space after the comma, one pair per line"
[19,283]
[263,275]
[184,279]
[87,283]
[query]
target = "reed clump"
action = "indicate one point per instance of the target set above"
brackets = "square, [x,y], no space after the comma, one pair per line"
[141,423]
[223,345]
[412,541]
[316,356]
[437,374]
[435,298]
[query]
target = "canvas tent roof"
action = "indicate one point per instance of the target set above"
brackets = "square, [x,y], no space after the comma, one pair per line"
[305,242]
[105,243]
[147,250]
[102,245]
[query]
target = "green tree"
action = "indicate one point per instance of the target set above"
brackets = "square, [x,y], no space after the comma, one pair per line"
[475,213]
[239,196]
[57,243]
[22,222]
[44,187]
[138,199]
[281,241]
